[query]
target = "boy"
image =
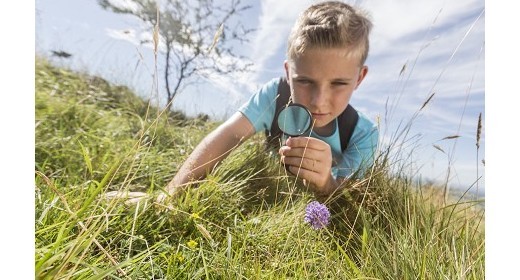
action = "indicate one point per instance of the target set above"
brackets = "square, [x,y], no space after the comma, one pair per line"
[326,52]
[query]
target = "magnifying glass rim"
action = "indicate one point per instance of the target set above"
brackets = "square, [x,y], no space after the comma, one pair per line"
[308,113]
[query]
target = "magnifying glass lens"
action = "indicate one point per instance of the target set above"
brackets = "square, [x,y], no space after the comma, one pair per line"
[294,120]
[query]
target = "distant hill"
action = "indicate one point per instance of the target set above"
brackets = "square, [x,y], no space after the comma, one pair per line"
[63,84]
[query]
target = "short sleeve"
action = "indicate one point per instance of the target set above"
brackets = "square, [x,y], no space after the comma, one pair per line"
[260,108]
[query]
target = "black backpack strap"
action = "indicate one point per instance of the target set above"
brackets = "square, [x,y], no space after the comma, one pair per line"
[282,100]
[347,122]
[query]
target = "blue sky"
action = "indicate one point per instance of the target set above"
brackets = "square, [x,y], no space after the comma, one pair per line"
[441,43]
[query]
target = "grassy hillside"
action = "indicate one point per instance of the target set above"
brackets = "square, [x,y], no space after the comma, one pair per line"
[245,221]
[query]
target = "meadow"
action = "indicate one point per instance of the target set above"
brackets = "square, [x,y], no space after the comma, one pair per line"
[244,221]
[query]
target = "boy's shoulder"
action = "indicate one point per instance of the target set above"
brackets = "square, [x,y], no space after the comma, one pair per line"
[268,90]
[365,124]
[272,84]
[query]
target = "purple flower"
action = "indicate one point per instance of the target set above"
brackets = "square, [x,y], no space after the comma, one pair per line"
[317,215]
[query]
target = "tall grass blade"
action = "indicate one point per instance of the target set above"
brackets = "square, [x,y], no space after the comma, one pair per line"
[87,159]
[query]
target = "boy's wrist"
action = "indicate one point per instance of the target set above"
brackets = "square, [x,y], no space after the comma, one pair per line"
[328,189]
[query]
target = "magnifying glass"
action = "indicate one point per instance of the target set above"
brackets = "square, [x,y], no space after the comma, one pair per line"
[294,120]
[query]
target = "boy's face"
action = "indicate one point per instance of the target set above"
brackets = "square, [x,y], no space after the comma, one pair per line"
[323,80]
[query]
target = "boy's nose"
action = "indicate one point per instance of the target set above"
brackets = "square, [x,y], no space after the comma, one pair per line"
[319,97]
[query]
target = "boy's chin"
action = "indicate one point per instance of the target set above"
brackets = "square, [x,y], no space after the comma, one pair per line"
[323,127]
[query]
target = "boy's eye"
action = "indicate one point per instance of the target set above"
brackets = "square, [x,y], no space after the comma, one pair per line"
[303,81]
[339,83]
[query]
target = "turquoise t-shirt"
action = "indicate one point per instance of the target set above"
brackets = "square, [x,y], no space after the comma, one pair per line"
[360,152]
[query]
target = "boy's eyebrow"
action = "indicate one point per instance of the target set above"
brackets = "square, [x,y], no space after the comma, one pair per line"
[300,76]
[342,80]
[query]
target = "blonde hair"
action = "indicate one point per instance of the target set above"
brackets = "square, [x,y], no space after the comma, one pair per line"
[330,24]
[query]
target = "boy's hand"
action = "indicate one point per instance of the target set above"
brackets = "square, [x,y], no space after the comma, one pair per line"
[310,159]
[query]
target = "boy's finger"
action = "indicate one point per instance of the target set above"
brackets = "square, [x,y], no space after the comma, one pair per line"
[304,163]
[303,173]
[305,142]
[300,152]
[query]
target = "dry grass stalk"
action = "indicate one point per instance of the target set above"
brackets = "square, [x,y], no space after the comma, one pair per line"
[402,70]
[216,37]
[479,130]
[450,137]
[427,101]
[439,148]
[156,34]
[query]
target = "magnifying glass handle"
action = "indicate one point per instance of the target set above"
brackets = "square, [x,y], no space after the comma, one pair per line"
[283,138]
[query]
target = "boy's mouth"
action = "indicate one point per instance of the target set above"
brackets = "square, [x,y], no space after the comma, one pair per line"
[319,115]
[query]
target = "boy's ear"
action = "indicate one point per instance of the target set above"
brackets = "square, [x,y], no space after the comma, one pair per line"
[286,66]
[362,74]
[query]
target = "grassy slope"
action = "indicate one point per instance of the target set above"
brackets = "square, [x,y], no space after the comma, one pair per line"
[243,222]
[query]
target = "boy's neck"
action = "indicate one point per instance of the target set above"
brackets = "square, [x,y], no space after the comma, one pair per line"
[326,130]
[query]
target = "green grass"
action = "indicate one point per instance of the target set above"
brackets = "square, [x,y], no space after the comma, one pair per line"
[244,221]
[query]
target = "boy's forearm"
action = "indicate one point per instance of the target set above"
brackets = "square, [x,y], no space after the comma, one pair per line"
[201,161]
[214,148]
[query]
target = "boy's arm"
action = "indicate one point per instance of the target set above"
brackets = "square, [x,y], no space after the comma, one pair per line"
[214,148]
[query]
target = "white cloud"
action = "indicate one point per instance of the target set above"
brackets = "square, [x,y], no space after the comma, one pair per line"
[128,35]
[275,22]
[125,4]
[401,30]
